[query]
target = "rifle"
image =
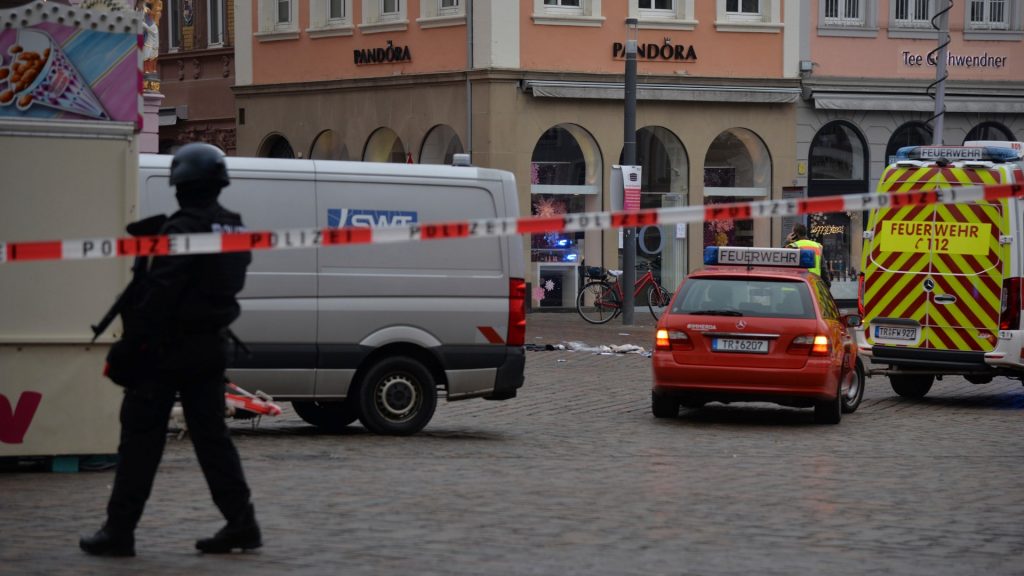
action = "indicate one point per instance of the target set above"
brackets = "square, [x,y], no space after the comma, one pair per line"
[145,227]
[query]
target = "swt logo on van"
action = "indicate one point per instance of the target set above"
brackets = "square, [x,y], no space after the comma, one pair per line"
[345,217]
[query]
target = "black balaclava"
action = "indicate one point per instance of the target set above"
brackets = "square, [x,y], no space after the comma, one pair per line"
[197,194]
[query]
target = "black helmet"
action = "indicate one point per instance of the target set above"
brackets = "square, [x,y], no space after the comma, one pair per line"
[199,162]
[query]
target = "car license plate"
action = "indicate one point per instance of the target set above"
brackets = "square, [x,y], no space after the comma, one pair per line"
[894,333]
[739,345]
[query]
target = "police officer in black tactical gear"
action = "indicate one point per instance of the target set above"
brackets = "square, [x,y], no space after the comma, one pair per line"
[177,320]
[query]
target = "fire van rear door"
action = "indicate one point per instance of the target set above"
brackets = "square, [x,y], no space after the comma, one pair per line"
[933,276]
[966,267]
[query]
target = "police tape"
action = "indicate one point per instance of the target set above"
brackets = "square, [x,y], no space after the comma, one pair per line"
[297,238]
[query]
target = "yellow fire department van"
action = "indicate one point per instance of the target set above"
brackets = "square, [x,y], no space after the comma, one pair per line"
[941,285]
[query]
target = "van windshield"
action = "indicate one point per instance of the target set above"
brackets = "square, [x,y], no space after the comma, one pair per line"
[745,297]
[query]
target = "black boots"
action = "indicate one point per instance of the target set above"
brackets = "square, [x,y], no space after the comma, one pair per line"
[242,533]
[107,542]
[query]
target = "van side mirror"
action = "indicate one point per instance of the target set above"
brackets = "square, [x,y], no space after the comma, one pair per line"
[853,320]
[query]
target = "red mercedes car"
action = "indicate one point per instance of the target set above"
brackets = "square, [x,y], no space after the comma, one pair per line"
[756,325]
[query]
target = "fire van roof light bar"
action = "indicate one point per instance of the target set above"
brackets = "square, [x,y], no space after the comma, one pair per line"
[740,256]
[958,153]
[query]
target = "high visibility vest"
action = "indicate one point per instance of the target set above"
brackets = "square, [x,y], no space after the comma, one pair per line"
[811,244]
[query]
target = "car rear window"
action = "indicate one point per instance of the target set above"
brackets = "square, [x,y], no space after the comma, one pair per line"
[745,297]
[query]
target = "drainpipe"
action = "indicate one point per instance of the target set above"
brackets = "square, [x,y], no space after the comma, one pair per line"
[469,82]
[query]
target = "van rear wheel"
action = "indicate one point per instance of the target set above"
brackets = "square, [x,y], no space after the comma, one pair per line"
[331,416]
[911,385]
[397,397]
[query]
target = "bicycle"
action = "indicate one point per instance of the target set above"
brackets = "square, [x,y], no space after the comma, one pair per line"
[601,297]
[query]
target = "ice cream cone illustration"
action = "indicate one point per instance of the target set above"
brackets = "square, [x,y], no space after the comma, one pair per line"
[37,72]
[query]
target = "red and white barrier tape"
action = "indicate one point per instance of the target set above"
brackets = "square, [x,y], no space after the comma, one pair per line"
[212,243]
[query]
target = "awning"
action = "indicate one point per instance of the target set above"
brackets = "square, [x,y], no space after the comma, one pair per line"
[663,92]
[876,101]
[170,116]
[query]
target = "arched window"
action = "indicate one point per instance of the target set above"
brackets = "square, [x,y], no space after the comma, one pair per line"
[737,168]
[328,146]
[909,134]
[440,145]
[384,146]
[565,178]
[276,146]
[664,183]
[990,131]
[838,160]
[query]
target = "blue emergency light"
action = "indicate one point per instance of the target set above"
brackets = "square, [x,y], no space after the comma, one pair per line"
[957,153]
[741,256]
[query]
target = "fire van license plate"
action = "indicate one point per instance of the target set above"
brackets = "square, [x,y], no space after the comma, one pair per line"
[893,333]
[739,345]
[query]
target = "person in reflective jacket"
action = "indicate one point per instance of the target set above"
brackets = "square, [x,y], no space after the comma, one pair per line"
[178,316]
[798,239]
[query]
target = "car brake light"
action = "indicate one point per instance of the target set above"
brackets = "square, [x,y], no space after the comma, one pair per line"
[516,312]
[672,340]
[807,344]
[820,346]
[1009,304]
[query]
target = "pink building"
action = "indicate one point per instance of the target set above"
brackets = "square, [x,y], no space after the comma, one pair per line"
[866,70]
[737,99]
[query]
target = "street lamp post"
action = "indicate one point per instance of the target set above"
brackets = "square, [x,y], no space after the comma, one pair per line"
[629,159]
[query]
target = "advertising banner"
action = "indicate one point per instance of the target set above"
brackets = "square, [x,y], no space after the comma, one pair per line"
[631,187]
[62,62]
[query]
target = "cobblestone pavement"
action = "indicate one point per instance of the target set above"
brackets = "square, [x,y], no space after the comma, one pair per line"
[575,477]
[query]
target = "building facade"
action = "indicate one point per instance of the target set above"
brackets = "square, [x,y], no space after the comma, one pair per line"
[197,72]
[869,69]
[737,100]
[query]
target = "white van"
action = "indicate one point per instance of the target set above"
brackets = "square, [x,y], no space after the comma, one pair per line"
[372,332]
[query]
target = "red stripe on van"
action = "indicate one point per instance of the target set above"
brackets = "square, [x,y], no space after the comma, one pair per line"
[491,334]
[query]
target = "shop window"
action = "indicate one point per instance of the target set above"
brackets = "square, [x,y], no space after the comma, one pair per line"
[748,16]
[990,131]
[215,22]
[440,146]
[664,183]
[385,146]
[909,134]
[384,16]
[737,168]
[330,18]
[567,12]
[328,146]
[838,162]
[276,146]
[564,179]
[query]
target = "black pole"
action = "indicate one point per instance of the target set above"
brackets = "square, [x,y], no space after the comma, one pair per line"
[629,159]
